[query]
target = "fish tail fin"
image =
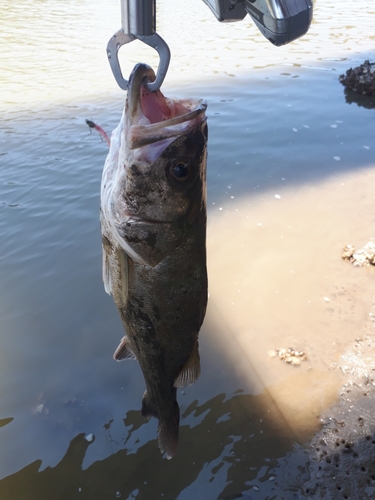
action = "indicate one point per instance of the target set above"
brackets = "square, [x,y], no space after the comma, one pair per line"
[168,430]
[190,372]
[168,427]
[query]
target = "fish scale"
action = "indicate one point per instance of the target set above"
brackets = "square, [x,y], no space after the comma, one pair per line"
[153,222]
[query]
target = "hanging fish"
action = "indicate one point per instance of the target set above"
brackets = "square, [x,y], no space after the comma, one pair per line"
[153,222]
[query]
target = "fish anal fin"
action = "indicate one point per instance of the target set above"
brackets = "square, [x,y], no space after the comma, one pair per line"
[190,372]
[168,430]
[124,351]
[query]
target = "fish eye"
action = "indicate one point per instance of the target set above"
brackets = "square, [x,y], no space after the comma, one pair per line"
[180,171]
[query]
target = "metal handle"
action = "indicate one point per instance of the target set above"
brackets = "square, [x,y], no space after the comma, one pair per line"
[138,19]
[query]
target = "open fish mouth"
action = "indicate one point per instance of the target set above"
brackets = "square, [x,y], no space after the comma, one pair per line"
[152,117]
[131,191]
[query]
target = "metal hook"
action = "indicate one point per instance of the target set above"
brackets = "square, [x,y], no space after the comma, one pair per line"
[155,41]
[118,40]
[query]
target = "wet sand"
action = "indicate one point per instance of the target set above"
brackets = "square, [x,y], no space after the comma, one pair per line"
[277,279]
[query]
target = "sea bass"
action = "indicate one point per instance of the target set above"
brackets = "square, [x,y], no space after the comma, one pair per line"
[153,222]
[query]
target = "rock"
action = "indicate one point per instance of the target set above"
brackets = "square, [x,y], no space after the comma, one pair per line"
[362,257]
[360,79]
[348,252]
[288,355]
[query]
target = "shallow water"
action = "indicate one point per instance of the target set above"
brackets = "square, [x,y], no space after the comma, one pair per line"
[279,124]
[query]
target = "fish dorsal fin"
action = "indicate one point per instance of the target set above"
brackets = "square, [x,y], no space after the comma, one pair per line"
[124,351]
[190,372]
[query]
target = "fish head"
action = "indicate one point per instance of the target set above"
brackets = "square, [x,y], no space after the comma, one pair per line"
[160,173]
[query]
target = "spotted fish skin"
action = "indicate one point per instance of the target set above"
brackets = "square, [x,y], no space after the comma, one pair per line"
[153,222]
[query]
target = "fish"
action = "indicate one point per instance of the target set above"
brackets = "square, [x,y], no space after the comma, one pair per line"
[153,224]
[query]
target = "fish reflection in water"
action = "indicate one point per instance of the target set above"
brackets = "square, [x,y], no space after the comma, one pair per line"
[228,453]
[153,221]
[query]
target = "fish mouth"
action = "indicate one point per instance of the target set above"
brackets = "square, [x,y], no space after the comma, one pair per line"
[152,117]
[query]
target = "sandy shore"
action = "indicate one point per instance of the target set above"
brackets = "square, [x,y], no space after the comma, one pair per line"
[277,280]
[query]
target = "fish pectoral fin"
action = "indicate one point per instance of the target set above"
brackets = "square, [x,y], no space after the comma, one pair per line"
[190,372]
[107,279]
[120,278]
[168,430]
[124,351]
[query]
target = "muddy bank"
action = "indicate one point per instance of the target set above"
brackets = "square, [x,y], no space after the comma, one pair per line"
[342,455]
[339,461]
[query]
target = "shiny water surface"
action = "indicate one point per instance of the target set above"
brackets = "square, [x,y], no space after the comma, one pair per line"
[291,172]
